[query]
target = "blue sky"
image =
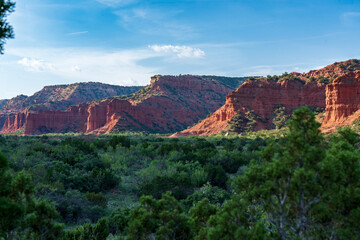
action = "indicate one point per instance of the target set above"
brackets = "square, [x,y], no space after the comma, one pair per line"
[124,42]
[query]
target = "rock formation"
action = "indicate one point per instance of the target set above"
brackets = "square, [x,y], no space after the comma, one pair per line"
[342,101]
[59,97]
[3,102]
[335,70]
[260,97]
[167,105]
[172,103]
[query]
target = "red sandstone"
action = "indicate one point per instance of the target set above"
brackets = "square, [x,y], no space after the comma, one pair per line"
[262,96]
[168,104]
[342,101]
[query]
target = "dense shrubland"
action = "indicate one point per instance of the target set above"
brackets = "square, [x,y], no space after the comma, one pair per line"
[296,185]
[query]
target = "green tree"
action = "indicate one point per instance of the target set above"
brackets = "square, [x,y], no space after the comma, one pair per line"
[6,30]
[288,185]
[237,220]
[10,211]
[119,219]
[42,221]
[236,123]
[339,212]
[23,188]
[280,117]
[162,219]
[251,121]
[101,229]
[201,213]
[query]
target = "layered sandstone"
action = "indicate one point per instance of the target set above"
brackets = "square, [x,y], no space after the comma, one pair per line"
[262,97]
[58,97]
[15,122]
[336,69]
[168,104]
[342,101]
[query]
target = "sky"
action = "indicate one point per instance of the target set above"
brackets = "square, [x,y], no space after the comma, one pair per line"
[124,42]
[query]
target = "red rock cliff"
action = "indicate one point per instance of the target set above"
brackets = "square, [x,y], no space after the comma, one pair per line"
[262,97]
[168,104]
[342,101]
[15,122]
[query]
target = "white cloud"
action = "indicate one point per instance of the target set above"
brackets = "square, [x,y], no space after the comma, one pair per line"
[76,68]
[36,65]
[179,51]
[82,65]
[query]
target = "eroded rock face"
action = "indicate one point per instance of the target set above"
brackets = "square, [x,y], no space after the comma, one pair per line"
[58,97]
[262,97]
[336,70]
[342,101]
[168,104]
[14,123]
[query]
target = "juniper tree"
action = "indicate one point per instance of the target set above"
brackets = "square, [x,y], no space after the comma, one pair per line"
[287,184]
[6,30]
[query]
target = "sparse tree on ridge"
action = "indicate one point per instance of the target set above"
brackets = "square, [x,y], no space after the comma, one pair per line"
[6,30]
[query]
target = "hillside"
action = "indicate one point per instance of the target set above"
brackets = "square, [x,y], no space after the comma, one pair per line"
[3,102]
[59,97]
[168,104]
[342,102]
[266,103]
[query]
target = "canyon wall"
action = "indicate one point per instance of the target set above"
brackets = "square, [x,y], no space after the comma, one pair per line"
[168,104]
[342,101]
[261,96]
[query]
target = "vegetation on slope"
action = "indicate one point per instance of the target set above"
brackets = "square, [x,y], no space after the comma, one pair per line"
[295,186]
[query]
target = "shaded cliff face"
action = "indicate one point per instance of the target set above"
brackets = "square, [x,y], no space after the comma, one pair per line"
[252,106]
[260,98]
[59,97]
[167,105]
[342,101]
[3,102]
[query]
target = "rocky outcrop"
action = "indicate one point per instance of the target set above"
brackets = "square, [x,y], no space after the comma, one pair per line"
[342,101]
[58,97]
[168,104]
[15,123]
[336,69]
[61,97]
[260,97]
[3,102]
[72,120]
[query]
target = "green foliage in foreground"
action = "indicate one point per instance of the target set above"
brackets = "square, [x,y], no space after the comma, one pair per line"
[6,30]
[295,186]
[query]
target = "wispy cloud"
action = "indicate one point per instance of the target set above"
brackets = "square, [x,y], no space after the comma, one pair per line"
[114,67]
[117,3]
[154,21]
[77,33]
[264,70]
[350,18]
[36,65]
[351,14]
[179,51]
[76,68]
